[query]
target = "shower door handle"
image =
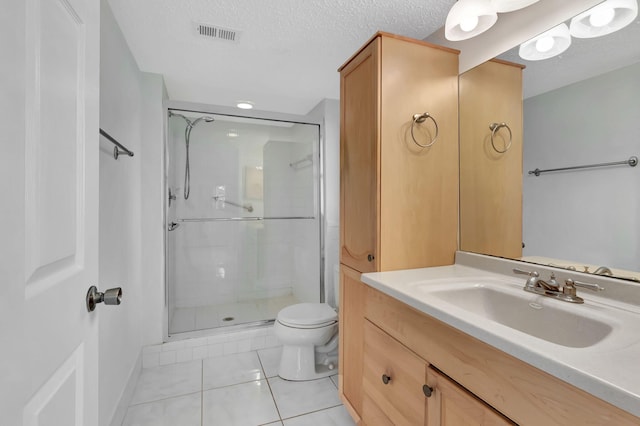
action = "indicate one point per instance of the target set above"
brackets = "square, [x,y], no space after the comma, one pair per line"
[113,296]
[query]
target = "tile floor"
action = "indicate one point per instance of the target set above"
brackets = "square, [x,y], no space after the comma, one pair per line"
[238,389]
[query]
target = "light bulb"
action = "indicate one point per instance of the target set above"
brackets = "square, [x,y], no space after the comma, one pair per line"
[469,23]
[544,44]
[602,16]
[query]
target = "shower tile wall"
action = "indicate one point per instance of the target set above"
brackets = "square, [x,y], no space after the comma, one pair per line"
[241,262]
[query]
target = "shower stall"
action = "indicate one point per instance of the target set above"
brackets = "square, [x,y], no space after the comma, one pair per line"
[243,235]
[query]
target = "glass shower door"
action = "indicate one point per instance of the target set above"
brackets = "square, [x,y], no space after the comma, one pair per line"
[246,241]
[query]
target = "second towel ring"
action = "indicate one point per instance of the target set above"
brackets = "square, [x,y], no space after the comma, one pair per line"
[494,127]
[420,118]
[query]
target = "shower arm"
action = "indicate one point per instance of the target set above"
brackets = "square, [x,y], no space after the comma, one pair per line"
[247,207]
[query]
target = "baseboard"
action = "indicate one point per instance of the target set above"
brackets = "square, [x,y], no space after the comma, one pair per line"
[127,393]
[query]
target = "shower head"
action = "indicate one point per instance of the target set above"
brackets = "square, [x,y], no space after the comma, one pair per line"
[206,118]
[190,124]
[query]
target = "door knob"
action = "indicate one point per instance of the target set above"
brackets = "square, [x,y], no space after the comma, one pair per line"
[370,258]
[386,379]
[113,296]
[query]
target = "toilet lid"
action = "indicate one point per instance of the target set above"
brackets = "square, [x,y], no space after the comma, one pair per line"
[308,314]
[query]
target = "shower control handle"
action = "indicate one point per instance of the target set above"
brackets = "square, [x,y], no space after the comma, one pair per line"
[370,258]
[113,296]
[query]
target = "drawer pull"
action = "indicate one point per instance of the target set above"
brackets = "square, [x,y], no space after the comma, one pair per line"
[427,390]
[370,258]
[386,379]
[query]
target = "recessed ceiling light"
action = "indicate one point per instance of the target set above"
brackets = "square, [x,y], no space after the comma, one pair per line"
[233,133]
[244,105]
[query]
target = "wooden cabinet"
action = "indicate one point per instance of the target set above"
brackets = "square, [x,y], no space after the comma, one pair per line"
[487,380]
[491,181]
[452,405]
[351,339]
[398,201]
[393,379]
[400,388]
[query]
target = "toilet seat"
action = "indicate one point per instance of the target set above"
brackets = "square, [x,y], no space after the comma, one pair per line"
[308,315]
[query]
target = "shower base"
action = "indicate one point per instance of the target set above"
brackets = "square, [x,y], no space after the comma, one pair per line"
[229,314]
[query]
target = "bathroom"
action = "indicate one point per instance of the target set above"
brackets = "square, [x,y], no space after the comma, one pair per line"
[129,214]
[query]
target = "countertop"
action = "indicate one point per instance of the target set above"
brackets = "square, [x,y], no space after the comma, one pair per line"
[609,370]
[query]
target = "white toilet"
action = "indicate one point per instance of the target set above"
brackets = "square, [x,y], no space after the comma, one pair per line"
[309,336]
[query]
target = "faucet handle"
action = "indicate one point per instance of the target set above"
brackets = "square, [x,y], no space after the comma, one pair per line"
[523,272]
[590,286]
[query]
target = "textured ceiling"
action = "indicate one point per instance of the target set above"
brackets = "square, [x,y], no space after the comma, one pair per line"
[287,56]
[584,59]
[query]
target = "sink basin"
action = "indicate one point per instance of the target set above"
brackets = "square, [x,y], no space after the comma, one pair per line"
[546,319]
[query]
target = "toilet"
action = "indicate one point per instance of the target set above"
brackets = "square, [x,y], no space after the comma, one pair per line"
[309,336]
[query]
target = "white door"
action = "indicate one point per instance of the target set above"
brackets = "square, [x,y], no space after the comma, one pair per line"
[49,82]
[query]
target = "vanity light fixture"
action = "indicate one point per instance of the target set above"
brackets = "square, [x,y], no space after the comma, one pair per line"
[546,45]
[605,18]
[244,105]
[503,6]
[468,18]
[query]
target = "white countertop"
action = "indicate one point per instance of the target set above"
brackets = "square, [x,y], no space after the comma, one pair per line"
[610,369]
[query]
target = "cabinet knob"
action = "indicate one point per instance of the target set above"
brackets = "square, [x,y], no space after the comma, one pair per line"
[370,258]
[386,379]
[427,390]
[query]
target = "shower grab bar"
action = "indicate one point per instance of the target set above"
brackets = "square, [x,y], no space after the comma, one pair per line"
[632,162]
[250,218]
[247,207]
[307,158]
[118,146]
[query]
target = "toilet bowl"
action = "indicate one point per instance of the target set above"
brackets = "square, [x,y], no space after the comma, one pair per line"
[309,336]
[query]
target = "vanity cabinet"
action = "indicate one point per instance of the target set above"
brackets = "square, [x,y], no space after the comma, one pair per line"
[398,201]
[452,405]
[392,379]
[400,388]
[472,383]
[351,339]
[490,180]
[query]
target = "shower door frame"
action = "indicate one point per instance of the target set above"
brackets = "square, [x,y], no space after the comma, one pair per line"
[251,114]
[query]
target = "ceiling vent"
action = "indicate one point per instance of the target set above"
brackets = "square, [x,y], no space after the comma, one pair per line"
[217,33]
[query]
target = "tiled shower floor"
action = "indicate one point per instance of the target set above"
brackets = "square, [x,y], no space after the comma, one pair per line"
[238,389]
[205,317]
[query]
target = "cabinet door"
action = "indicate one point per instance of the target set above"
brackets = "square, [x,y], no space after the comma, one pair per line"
[352,297]
[452,405]
[418,186]
[392,379]
[359,141]
[491,93]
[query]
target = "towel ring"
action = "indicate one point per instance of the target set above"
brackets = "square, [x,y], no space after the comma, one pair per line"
[494,127]
[420,118]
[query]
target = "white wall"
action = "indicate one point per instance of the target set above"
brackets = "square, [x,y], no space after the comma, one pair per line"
[127,98]
[592,215]
[153,200]
[329,112]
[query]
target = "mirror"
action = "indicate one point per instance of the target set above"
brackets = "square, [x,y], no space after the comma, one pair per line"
[581,108]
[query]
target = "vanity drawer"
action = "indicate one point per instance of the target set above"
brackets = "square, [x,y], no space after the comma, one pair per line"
[393,377]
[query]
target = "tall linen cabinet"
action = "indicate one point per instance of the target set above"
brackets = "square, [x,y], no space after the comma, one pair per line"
[398,200]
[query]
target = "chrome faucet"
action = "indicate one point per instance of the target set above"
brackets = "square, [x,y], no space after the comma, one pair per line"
[603,270]
[552,288]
